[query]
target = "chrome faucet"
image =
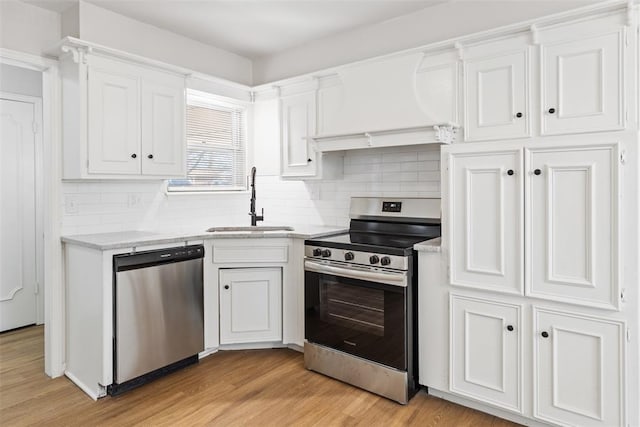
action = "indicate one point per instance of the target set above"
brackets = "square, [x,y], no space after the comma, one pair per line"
[254,217]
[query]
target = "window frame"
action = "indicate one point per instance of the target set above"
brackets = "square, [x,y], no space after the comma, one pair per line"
[204,99]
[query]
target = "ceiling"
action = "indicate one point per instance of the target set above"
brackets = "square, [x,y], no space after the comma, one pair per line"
[255,28]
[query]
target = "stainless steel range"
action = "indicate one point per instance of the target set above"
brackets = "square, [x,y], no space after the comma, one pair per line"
[361,296]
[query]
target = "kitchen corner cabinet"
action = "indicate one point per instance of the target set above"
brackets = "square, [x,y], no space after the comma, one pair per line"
[121,120]
[250,305]
[298,124]
[253,290]
[566,220]
[298,115]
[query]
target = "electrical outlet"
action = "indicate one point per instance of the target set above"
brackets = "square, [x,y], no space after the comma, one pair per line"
[134,200]
[70,205]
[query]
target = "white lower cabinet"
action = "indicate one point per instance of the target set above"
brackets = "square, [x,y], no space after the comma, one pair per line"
[577,360]
[250,305]
[579,373]
[486,351]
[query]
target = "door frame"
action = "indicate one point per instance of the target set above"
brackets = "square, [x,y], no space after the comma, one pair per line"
[52,285]
[39,194]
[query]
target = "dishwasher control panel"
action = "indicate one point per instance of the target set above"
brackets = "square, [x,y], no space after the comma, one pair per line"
[133,260]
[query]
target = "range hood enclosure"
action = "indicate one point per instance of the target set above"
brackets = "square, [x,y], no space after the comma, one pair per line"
[392,101]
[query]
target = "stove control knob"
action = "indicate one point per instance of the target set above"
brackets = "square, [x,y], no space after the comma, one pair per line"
[317,252]
[373,259]
[326,253]
[385,260]
[348,256]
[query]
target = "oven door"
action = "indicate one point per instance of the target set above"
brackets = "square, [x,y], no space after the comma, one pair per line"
[361,311]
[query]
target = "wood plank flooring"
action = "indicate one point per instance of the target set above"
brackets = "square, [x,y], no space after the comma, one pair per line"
[252,387]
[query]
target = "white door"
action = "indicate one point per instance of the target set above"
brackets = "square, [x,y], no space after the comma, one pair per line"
[572,218]
[582,85]
[163,137]
[250,305]
[114,120]
[486,351]
[18,257]
[486,220]
[298,121]
[579,373]
[496,97]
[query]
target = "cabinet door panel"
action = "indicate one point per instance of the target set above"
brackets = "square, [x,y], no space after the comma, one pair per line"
[114,122]
[496,90]
[579,373]
[250,305]
[486,351]
[582,82]
[163,109]
[298,116]
[486,221]
[572,219]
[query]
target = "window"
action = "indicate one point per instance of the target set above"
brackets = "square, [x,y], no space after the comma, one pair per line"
[216,146]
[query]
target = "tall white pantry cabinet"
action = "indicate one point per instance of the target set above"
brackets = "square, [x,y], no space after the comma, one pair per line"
[537,278]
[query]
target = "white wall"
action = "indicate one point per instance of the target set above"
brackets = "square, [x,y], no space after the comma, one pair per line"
[20,80]
[28,28]
[438,23]
[118,206]
[107,28]
[70,21]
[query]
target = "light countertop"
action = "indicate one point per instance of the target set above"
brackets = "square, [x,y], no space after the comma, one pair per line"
[432,245]
[128,239]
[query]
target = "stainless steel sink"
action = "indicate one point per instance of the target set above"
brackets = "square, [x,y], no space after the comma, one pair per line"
[254,228]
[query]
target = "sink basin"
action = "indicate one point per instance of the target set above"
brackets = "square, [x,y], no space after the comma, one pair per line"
[256,228]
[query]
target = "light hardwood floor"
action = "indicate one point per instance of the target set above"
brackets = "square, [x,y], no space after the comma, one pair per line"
[252,387]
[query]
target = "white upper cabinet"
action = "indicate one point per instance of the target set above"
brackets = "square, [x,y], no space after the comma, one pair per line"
[486,351]
[497,96]
[113,119]
[163,117]
[485,214]
[572,221]
[582,84]
[298,124]
[579,370]
[121,119]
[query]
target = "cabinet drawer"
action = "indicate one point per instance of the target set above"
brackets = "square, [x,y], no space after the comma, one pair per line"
[248,253]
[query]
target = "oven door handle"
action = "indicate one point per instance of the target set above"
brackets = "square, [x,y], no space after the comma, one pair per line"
[395,279]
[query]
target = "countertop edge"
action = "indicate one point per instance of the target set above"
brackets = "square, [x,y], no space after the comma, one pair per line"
[432,245]
[89,241]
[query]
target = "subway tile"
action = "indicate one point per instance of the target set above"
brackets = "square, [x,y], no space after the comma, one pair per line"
[411,156]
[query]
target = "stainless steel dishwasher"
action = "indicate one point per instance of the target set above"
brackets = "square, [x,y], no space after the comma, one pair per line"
[158,314]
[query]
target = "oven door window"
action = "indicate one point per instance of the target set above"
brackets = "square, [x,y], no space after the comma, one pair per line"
[363,318]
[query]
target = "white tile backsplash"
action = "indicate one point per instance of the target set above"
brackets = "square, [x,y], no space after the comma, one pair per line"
[97,207]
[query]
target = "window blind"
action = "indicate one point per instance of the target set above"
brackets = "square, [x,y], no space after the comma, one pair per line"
[216,147]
